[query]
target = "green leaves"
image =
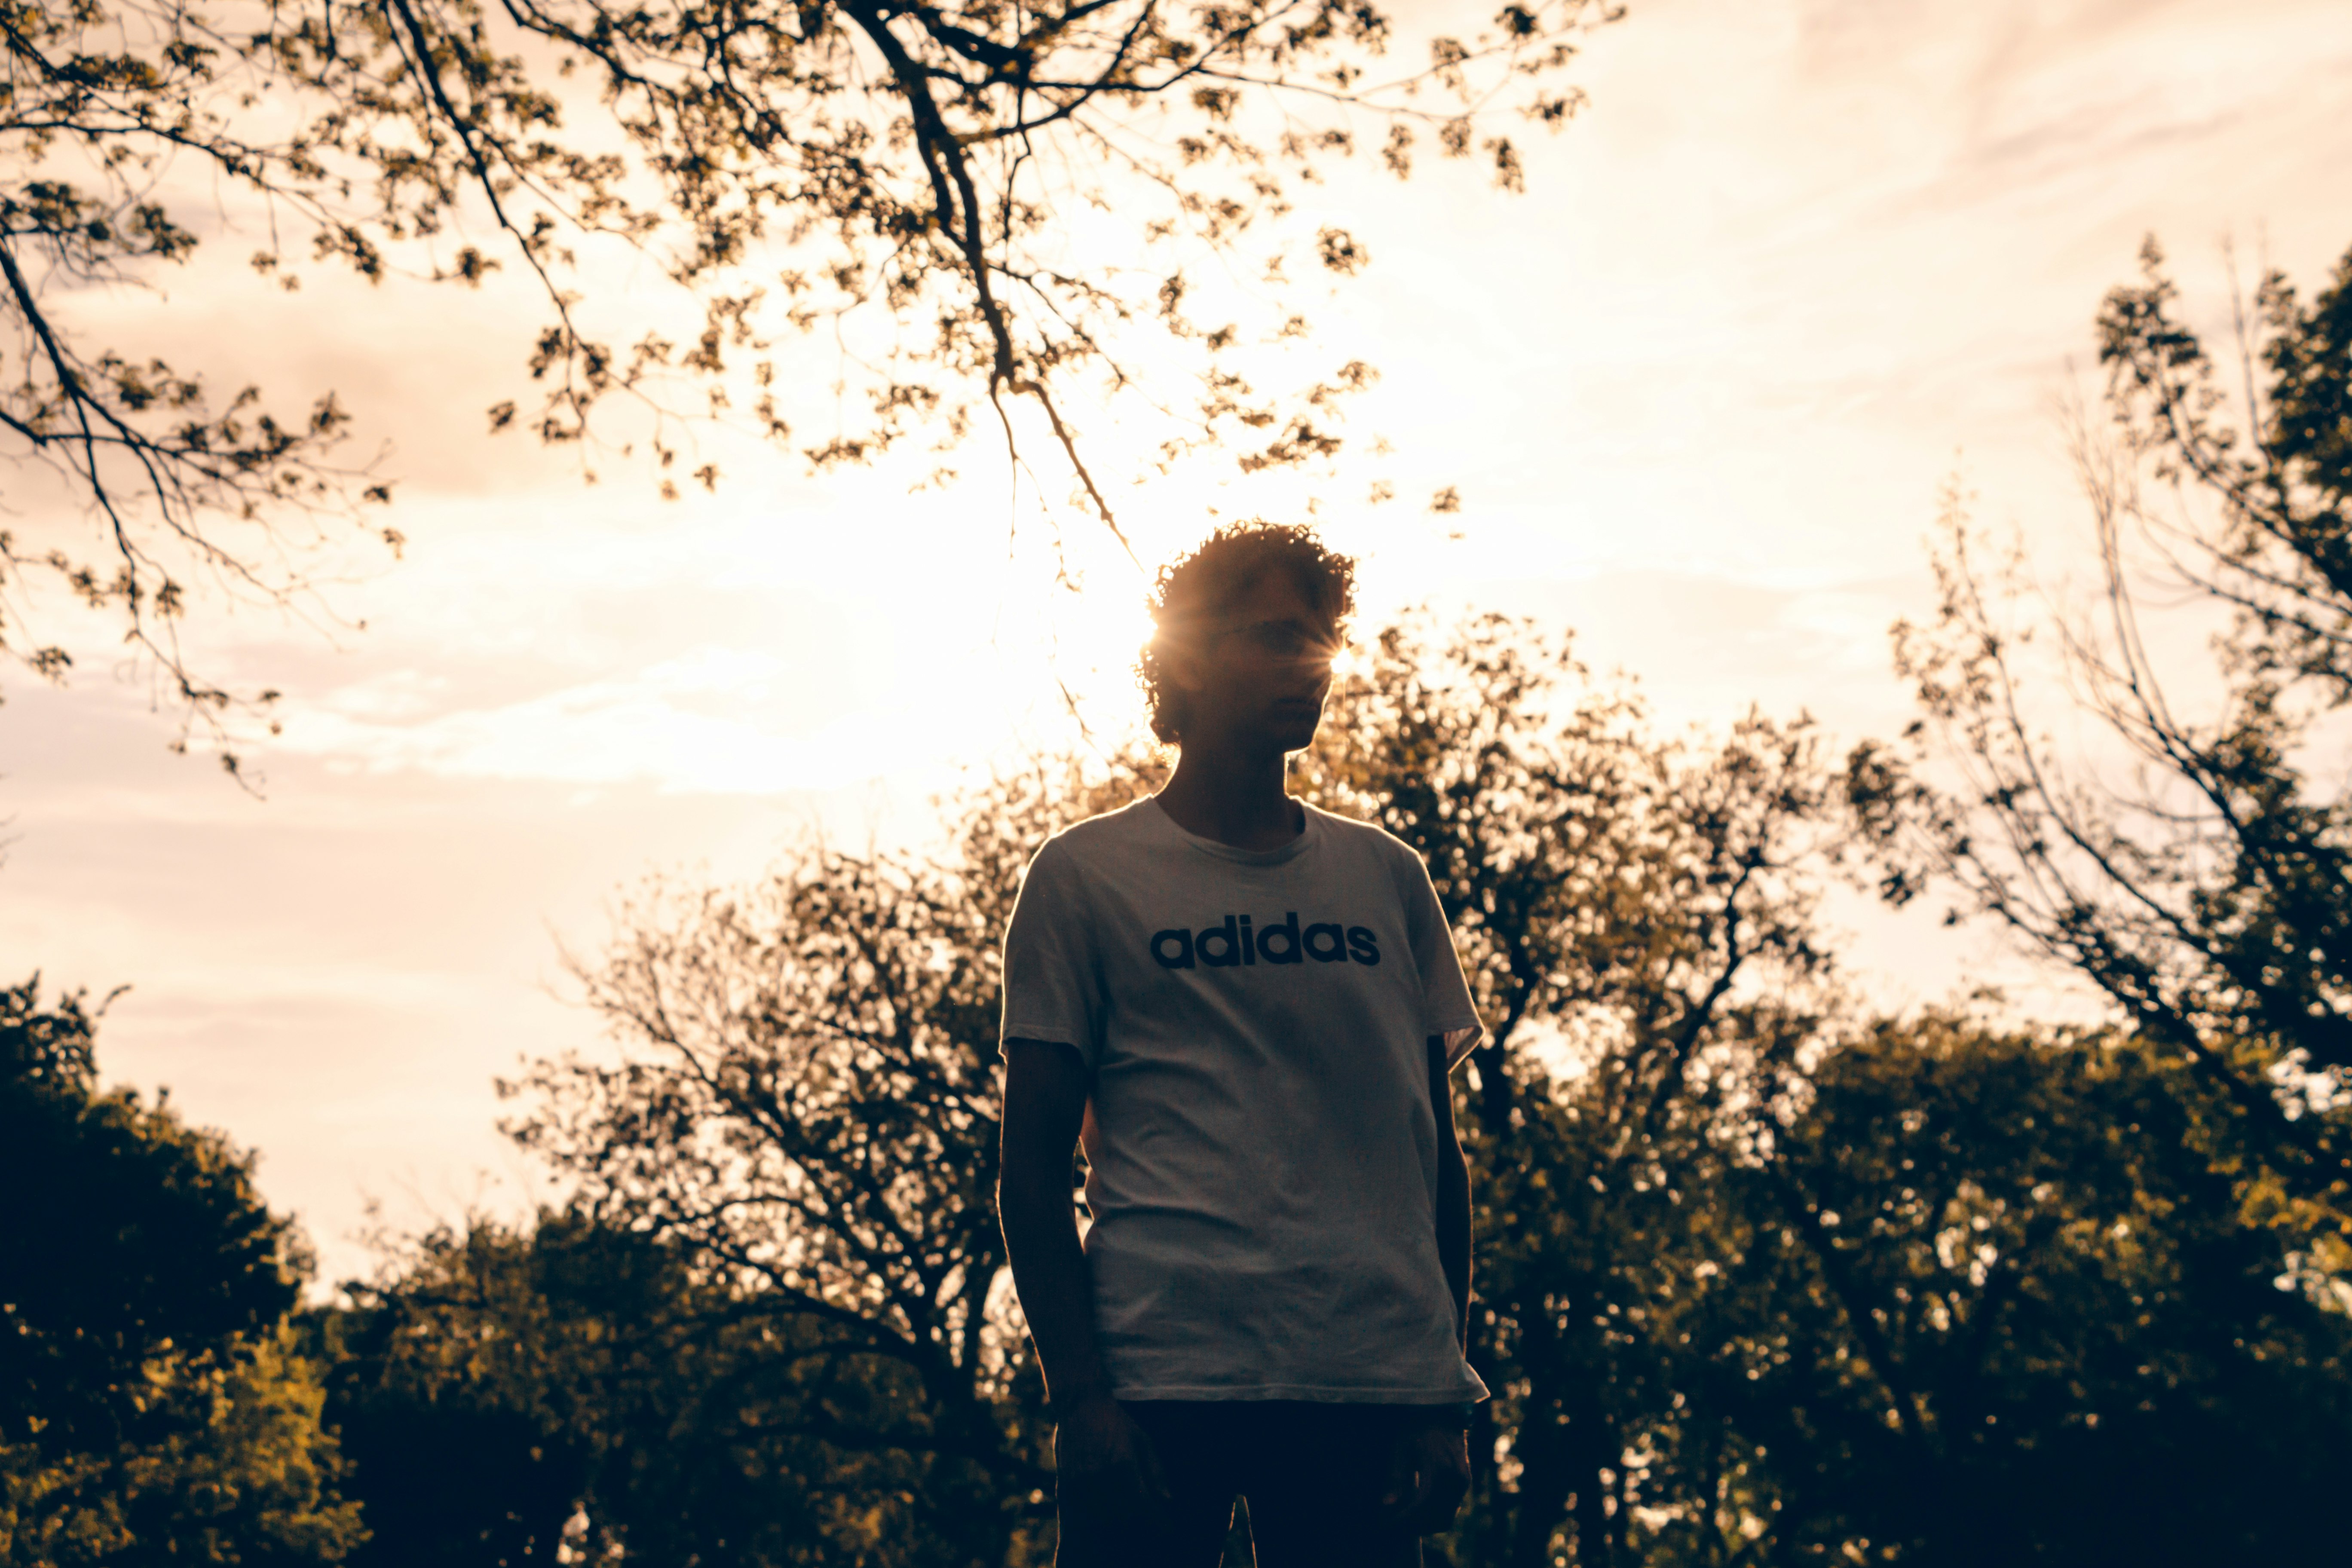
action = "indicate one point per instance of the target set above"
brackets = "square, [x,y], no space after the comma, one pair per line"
[2209,898]
[2036,1315]
[152,1408]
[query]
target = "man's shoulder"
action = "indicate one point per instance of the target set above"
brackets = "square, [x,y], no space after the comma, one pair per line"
[1358,836]
[1112,835]
[1118,826]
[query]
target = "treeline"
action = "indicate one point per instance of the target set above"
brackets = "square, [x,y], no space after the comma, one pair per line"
[1762,1277]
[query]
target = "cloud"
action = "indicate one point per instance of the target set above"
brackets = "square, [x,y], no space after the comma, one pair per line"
[716,719]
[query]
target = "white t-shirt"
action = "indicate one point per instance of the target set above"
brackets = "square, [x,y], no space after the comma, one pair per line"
[1262,1148]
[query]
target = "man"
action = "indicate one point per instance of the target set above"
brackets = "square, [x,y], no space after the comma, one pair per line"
[1245,1008]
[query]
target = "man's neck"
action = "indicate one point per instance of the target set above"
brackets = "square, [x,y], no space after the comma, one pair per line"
[1232,800]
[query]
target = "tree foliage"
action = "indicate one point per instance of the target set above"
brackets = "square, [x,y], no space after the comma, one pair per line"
[105,105]
[2008,1314]
[1068,209]
[806,1092]
[2205,887]
[807,1103]
[1760,1280]
[1726,1293]
[575,1391]
[153,1407]
[1636,914]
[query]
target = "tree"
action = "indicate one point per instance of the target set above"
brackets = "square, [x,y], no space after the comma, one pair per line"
[2209,896]
[152,1407]
[990,207]
[1637,918]
[2005,1312]
[805,1094]
[571,1392]
[806,1102]
[98,102]
[1758,1280]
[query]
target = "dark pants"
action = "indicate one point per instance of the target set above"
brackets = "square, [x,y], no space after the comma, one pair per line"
[1313,1475]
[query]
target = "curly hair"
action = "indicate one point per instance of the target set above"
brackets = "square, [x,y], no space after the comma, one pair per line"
[1195,587]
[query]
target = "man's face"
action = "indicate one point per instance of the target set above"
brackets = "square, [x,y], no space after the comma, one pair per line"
[1262,668]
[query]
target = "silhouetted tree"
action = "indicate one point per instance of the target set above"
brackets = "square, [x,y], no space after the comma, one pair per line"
[2209,893]
[102,104]
[571,1391]
[806,1092]
[2004,1311]
[153,1407]
[1757,1281]
[806,1102]
[990,207]
[1637,919]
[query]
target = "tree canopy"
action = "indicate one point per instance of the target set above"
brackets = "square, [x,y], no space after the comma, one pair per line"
[571,1390]
[1066,210]
[2203,886]
[1762,1278]
[154,1406]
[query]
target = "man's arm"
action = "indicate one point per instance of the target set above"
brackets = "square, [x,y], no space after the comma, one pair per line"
[1096,1445]
[1429,1473]
[1453,1193]
[1045,1103]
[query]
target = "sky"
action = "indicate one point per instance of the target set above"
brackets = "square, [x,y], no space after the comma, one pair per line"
[1795,266]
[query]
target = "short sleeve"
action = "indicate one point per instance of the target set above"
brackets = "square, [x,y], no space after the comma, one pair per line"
[1052,988]
[1447,1010]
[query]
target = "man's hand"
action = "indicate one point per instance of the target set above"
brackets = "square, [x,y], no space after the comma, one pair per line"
[1103,1463]
[1429,1475]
